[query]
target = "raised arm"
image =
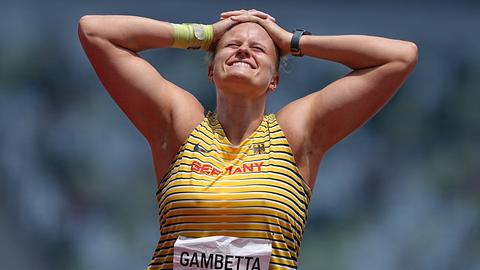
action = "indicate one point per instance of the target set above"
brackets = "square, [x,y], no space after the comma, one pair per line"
[379,65]
[316,122]
[151,102]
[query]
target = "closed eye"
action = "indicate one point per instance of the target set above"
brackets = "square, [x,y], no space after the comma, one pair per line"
[258,48]
[232,45]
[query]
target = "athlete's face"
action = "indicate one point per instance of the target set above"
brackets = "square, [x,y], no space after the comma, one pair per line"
[245,60]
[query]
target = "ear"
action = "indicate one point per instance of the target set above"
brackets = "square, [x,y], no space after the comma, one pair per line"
[273,83]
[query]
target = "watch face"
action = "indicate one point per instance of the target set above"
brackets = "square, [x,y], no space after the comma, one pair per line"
[198,31]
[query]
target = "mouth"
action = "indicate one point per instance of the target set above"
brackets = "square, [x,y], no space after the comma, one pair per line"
[239,63]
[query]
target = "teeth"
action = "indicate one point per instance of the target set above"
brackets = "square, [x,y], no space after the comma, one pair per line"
[241,64]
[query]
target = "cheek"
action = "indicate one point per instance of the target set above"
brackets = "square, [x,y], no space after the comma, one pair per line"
[218,60]
[271,67]
[217,68]
[217,71]
[213,66]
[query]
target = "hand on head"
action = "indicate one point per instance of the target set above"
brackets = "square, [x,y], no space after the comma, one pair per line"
[228,19]
[251,12]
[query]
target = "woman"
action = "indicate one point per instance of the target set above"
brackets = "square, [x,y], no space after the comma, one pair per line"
[234,185]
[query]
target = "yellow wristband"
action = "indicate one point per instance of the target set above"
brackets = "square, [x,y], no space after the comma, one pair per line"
[192,36]
[208,32]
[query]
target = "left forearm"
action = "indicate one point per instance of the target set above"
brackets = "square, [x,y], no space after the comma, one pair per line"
[357,51]
[354,51]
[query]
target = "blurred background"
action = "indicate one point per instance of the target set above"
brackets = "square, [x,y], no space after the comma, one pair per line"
[77,186]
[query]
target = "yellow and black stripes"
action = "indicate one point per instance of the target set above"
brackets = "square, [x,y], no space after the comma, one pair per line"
[252,190]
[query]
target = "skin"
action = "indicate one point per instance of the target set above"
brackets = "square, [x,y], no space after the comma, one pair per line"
[248,43]
[166,114]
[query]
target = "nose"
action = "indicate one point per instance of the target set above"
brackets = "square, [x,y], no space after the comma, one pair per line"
[243,51]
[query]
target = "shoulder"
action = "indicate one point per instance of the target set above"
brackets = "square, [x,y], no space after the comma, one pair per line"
[299,121]
[293,123]
[165,145]
[307,157]
[184,119]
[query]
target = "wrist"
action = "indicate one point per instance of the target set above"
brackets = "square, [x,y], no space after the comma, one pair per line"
[192,36]
[285,45]
[295,41]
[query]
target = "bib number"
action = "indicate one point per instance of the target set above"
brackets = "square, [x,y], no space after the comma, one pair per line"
[221,252]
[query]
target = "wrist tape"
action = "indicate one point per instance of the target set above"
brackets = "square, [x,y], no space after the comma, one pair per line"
[192,36]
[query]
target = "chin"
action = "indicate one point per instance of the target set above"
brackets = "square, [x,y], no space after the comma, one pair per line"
[240,83]
[247,78]
[239,77]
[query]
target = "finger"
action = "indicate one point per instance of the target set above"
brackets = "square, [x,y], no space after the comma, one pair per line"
[227,14]
[246,18]
[258,13]
[259,17]
[261,14]
[230,13]
[254,12]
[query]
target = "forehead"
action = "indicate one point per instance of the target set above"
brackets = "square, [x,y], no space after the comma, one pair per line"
[249,31]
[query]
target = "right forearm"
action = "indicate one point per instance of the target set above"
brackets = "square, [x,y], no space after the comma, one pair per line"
[129,32]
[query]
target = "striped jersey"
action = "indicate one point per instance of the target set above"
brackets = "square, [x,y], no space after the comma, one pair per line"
[253,190]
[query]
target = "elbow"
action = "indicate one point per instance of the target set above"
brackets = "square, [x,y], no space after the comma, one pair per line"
[88,26]
[409,55]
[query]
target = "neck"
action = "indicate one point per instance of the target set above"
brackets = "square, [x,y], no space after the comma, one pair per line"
[239,116]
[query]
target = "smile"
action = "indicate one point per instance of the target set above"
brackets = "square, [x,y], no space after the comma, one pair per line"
[241,64]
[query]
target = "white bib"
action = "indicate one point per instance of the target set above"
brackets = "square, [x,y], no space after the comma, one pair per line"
[221,252]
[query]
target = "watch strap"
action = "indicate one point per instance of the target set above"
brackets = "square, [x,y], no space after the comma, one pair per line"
[295,42]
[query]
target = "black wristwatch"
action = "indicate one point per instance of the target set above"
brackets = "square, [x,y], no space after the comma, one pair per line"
[295,43]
